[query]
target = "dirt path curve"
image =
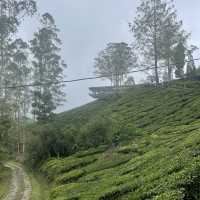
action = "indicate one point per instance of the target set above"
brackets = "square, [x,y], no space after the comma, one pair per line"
[20,188]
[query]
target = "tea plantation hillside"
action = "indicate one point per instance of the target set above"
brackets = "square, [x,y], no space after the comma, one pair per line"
[154,153]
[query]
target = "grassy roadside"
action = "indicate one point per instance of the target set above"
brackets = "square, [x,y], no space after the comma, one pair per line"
[40,188]
[5,177]
[5,174]
[39,185]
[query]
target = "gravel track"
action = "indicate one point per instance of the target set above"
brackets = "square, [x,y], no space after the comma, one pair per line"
[20,186]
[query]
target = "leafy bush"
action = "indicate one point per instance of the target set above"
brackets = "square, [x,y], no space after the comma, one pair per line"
[48,141]
[69,177]
[95,133]
[122,133]
[5,138]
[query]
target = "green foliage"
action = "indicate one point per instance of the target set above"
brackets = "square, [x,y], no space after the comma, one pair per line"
[54,167]
[47,141]
[48,68]
[115,62]
[50,141]
[5,176]
[179,59]
[12,14]
[157,158]
[157,30]
[160,173]
[191,67]
[5,173]
[70,176]
[95,132]
[122,133]
[7,135]
[5,125]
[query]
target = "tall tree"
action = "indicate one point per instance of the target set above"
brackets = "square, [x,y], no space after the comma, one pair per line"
[115,62]
[48,69]
[12,12]
[191,68]
[156,29]
[171,35]
[179,59]
[19,74]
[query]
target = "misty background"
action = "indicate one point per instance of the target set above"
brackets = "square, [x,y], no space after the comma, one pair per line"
[86,26]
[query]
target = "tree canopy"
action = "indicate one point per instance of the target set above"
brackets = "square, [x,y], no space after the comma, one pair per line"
[157,30]
[48,68]
[115,62]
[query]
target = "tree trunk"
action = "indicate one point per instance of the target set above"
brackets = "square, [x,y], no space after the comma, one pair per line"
[155,46]
[169,70]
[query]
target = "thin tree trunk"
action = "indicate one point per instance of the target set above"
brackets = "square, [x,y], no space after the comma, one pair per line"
[155,46]
[169,70]
[1,48]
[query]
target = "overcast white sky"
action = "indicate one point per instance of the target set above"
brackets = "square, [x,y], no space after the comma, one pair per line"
[88,25]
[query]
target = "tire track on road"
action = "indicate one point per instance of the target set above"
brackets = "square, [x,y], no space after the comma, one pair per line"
[20,186]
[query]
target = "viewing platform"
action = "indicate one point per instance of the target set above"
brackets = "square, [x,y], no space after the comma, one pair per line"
[103,92]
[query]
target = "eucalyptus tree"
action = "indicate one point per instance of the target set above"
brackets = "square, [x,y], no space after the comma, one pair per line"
[20,74]
[156,30]
[12,12]
[48,68]
[115,62]
[13,61]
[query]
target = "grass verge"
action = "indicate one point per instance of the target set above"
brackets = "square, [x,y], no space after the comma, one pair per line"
[40,188]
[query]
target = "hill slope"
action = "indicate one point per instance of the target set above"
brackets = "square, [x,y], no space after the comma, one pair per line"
[158,159]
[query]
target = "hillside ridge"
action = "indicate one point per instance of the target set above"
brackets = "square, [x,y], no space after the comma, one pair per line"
[156,156]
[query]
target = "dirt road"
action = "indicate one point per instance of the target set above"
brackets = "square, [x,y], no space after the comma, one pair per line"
[20,187]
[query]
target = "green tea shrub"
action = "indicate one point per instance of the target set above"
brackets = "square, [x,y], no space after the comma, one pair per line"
[95,133]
